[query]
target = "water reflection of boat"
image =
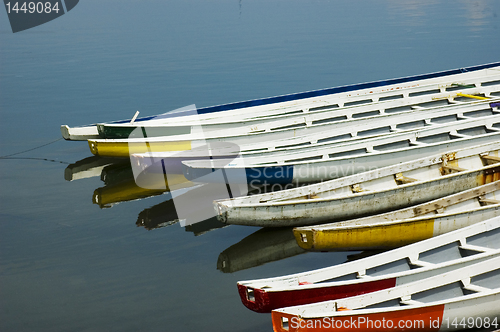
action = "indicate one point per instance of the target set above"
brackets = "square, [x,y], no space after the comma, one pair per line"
[87,167]
[157,216]
[120,186]
[205,226]
[107,196]
[164,214]
[196,205]
[117,172]
[128,190]
[264,246]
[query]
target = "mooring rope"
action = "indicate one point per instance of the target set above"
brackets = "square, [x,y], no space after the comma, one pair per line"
[37,147]
[32,158]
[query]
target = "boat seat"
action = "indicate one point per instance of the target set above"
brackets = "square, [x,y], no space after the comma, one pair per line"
[471,247]
[408,301]
[421,263]
[456,134]
[490,159]
[486,201]
[449,169]
[475,288]
[401,179]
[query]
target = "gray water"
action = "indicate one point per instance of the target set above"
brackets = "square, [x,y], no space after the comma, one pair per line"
[68,265]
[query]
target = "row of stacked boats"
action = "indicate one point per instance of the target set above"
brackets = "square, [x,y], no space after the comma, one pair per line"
[410,166]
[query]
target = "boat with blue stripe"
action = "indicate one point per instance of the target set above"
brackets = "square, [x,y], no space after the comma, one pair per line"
[332,160]
[271,106]
[338,131]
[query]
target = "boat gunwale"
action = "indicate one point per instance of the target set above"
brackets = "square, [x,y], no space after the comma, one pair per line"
[340,89]
[494,66]
[325,284]
[432,112]
[355,223]
[246,162]
[214,134]
[366,176]
[410,220]
[384,257]
[298,110]
[388,310]
[402,290]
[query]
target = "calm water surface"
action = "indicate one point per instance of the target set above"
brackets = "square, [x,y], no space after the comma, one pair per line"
[67,264]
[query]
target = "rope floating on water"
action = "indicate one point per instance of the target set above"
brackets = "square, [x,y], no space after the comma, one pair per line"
[38,147]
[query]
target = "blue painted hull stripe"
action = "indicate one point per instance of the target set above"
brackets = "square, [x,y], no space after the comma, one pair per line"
[317,93]
[270,175]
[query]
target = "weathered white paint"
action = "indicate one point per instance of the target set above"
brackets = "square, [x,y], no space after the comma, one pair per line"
[286,139]
[366,193]
[372,95]
[397,257]
[482,304]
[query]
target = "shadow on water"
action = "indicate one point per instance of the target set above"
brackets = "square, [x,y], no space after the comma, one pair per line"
[264,246]
[120,186]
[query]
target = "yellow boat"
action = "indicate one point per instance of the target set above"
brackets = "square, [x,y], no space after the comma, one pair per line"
[405,226]
[129,190]
[123,148]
